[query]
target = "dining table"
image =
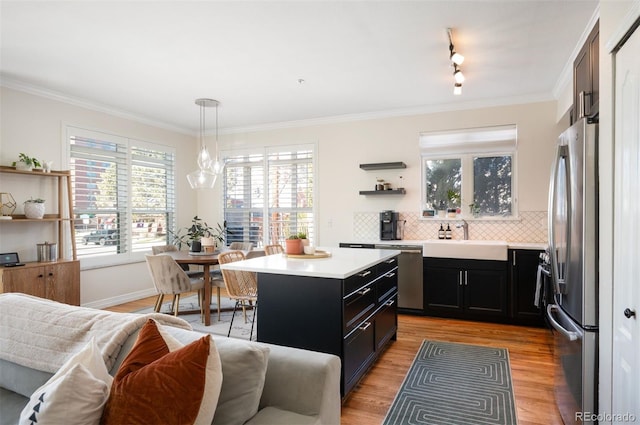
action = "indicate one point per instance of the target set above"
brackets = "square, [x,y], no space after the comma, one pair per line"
[204,259]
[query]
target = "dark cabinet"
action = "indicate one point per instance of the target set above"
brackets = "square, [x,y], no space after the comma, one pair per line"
[523,268]
[586,93]
[353,318]
[469,289]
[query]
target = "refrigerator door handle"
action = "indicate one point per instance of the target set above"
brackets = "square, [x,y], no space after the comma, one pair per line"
[557,281]
[570,335]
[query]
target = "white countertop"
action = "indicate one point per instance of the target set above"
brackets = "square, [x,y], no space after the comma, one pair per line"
[342,263]
[510,245]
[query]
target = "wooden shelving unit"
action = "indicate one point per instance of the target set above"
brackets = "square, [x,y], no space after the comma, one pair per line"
[56,280]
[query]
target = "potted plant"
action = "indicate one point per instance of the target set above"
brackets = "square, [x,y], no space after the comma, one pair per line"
[34,208]
[26,163]
[302,235]
[192,235]
[293,245]
[454,202]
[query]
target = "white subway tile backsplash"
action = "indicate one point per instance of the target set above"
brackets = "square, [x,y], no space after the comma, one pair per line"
[530,227]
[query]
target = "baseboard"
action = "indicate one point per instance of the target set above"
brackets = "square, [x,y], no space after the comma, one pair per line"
[121,299]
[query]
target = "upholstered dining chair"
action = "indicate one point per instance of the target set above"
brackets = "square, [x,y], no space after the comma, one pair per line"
[243,246]
[273,249]
[241,285]
[169,279]
[159,249]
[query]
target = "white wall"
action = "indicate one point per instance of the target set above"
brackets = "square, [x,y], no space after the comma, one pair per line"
[343,146]
[34,125]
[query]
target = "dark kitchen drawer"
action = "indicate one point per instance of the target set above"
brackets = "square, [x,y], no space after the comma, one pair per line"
[387,265]
[358,306]
[386,321]
[358,280]
[386,285]
[359,351]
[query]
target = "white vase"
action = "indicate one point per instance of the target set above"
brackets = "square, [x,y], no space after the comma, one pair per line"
[34,209]
[22,166]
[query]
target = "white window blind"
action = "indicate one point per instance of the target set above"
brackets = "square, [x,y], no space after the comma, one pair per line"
[268,195]
[123,194]
[469,141]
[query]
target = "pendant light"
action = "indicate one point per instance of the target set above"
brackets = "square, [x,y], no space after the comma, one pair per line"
[208,170]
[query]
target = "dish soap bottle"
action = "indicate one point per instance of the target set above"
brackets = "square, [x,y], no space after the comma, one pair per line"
[441,232]
[447,233]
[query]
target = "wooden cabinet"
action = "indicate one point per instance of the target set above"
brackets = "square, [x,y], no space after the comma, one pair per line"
[523,267]
[469,289]
[586,93]
[353,318]
[57,281]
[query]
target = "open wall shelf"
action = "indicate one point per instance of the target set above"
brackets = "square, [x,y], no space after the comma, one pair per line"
[400,191]
[383,166]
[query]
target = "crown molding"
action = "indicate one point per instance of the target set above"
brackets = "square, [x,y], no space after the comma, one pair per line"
[420,110]
[336,119]
[18,85]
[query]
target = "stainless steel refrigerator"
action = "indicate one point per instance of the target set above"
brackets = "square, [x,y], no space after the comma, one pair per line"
[573,245]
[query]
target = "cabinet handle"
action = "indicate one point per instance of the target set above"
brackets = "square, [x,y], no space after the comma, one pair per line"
[50,273]
[40,275]
[390,303]
[392,274]
[365,291]
[391,261]
[460,278]
[365,326]
[365,274]
[514,258]
[466,278]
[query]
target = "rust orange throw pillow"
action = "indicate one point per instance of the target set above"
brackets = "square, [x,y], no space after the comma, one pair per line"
[156,386]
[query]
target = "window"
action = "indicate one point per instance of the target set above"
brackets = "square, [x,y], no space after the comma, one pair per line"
[470,169]
[268,194]
[123,194]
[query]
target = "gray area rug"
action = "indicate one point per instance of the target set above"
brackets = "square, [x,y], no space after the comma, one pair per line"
[455,384]
[240,329]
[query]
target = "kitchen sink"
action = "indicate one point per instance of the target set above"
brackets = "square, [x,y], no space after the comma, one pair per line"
[469,249]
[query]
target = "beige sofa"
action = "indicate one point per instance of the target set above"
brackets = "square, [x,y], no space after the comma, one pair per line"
[262,383]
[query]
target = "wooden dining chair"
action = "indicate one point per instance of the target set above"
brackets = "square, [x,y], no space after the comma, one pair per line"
[169,279]
[273,249]
[241,285]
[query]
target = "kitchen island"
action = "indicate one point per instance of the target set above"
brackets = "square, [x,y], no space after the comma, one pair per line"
[344,304]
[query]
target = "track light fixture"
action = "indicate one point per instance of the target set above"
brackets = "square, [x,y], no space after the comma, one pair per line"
[456,60]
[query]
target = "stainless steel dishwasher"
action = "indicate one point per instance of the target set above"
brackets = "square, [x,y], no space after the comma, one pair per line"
[410,286]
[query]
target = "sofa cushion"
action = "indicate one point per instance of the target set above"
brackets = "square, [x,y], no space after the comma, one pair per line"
[272,415]
[21,379]
[244,366]
[75,394]
[11,404]
[169,386]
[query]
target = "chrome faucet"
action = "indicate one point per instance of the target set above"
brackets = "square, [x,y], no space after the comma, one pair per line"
[465,228]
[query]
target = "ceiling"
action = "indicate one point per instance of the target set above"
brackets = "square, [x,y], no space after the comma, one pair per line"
[150,60]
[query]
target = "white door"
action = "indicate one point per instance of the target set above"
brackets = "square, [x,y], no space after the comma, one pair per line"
[626,263]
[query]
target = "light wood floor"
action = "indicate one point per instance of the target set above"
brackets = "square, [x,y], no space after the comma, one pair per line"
[530,354]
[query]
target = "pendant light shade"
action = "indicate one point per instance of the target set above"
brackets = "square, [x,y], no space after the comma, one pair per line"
[208,169]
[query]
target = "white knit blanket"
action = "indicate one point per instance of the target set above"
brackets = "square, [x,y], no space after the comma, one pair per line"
[43,334]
